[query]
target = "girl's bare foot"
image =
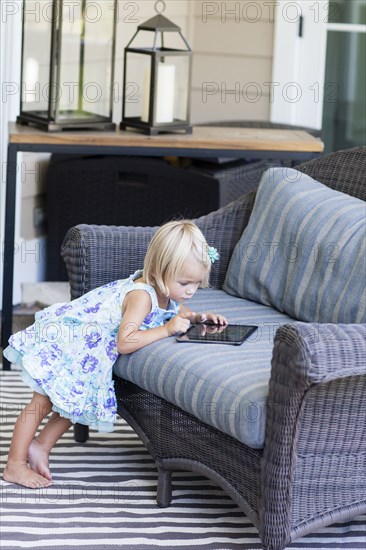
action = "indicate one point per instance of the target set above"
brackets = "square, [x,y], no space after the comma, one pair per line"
[21,474]
[38,459]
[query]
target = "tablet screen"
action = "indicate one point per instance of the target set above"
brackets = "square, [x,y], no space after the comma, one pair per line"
[217,334]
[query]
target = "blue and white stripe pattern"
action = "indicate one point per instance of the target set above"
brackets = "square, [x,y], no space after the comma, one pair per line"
[222,385]
[303,251]
[103,497]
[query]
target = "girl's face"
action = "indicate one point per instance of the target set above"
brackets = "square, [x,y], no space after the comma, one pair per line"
[186,283]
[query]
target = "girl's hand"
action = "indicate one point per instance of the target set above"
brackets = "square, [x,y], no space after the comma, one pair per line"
[214,318]
[178,324]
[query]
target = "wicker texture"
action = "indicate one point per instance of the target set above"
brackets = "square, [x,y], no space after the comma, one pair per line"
[190,441]
[343,171]
[97,254]
[311,471]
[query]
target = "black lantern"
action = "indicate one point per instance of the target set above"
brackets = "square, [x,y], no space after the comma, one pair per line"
[157,78]
[68,53]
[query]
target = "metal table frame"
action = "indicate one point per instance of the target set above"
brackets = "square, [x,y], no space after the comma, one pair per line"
[11,180]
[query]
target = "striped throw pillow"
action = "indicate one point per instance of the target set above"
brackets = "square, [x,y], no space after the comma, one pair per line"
[303,251]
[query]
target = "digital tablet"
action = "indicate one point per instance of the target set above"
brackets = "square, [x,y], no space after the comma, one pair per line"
[217,334]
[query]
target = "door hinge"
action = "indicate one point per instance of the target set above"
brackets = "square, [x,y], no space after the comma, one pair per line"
[301,25]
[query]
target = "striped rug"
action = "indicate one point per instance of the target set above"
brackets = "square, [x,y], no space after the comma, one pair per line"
[104,497]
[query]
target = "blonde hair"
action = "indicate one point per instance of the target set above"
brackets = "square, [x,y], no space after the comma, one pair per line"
[169,249]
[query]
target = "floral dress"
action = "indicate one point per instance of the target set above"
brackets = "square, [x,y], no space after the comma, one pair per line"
[69,351]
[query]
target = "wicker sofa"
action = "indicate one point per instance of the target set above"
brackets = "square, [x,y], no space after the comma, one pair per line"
[310,470]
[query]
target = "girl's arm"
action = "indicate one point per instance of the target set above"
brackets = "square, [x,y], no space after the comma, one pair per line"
[214,318]
[136,306]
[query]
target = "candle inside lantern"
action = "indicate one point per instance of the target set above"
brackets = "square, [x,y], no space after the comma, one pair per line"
[31,79]
[146,96]
[165,93]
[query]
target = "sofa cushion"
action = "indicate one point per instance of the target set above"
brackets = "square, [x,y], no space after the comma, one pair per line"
[222,385]
[303,251]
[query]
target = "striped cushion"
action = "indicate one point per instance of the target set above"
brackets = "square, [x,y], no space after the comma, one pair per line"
[222,385]
[303,251]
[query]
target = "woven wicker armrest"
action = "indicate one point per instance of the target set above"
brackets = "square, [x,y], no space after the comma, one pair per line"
[315,427]
[97,254]
[313,353]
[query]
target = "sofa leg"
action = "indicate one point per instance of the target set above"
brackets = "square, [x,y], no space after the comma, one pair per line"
[81,433]
[164,494]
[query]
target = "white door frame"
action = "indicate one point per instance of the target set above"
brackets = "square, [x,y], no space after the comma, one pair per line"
[298,70]
[299,63]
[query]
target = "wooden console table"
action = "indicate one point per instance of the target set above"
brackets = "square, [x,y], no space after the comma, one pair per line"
[204,142]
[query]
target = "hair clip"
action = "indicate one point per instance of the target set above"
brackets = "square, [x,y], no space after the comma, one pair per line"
[212,254]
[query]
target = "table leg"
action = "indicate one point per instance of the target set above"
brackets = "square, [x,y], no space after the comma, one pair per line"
[8,251]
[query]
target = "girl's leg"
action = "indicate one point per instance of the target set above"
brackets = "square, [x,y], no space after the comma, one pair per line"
[17,469]
[41,446]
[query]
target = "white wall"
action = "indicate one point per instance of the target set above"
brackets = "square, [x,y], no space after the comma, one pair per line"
[232,62]
[298,84]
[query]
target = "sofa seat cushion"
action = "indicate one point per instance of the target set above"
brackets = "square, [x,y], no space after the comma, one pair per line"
[303,250]
[222,385]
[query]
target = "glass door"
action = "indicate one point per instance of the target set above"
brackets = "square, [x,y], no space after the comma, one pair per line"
[344,102]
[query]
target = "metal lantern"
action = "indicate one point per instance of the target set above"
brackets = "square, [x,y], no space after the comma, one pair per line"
[68,53]
[157,78]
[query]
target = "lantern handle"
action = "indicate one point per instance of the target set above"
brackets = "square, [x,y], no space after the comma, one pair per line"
[163,7]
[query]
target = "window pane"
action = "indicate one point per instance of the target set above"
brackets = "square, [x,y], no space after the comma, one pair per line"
[344,111]
[347,11]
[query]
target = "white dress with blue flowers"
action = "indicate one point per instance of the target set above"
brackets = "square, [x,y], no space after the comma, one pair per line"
[69,351]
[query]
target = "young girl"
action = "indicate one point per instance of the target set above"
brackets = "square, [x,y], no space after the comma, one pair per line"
[67,355]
